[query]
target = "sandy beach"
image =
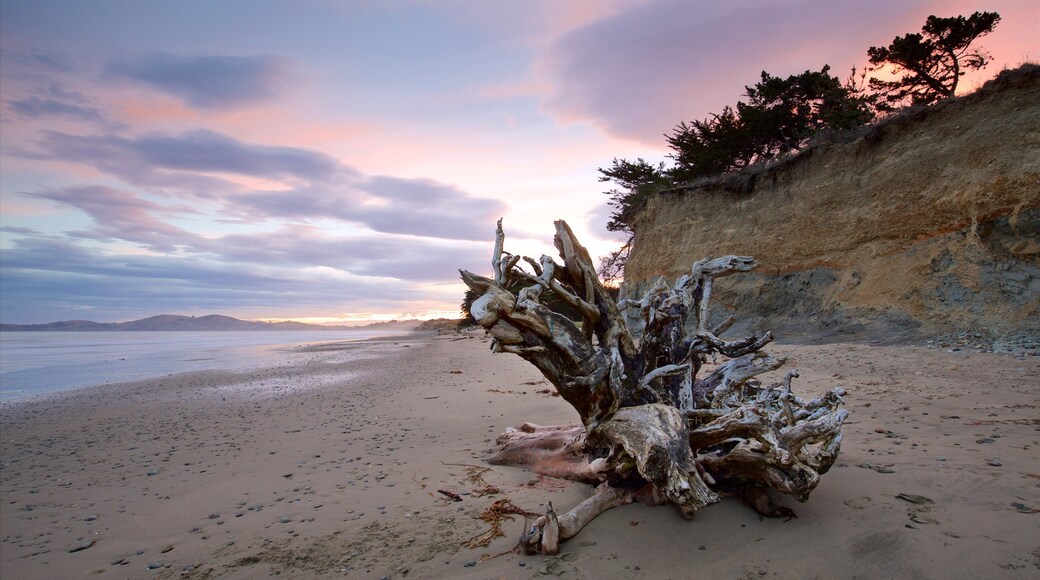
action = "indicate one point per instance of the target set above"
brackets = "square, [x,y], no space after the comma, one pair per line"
[335,467]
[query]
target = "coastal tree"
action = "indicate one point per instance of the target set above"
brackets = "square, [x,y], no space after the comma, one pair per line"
[637,180]
[671,413]
[779,116]
[931,63]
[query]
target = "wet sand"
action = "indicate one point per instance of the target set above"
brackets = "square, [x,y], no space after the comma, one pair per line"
[334,466]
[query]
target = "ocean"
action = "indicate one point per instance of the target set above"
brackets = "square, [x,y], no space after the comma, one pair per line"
[33,363]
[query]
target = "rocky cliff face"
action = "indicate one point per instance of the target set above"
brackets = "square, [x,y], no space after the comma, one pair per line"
[927,224]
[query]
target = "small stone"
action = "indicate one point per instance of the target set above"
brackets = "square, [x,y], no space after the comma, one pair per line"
[702,547]
[167,548]
[152,472]
[994,463]
[90,518]
[214,516]
[918,499]
[155,565]
[283,520]
[82,546]
[470,563]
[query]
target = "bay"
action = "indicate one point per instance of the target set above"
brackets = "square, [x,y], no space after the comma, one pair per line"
[33,363]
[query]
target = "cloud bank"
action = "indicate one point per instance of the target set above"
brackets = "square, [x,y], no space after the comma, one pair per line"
[638,73]
[208,81]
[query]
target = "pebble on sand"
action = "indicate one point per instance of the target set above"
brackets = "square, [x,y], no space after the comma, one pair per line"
[82,546]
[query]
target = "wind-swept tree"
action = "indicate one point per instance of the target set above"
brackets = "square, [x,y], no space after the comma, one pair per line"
[637,180]
[779,116]
[931,63]
[721,142]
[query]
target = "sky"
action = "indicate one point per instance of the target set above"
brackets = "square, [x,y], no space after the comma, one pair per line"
[339,161]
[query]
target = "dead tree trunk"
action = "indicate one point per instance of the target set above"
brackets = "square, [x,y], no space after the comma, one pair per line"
[652,428]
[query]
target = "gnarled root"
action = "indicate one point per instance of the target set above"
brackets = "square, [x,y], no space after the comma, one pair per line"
[547,532]
[555,450]
[650,420]
[654,437]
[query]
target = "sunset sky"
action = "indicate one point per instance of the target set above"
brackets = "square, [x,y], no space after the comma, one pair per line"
[337,161]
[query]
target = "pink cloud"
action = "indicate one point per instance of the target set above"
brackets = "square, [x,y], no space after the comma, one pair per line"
[142,110]
[638,73]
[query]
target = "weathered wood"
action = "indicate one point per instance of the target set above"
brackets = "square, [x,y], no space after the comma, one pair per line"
[562,528]
[650,427]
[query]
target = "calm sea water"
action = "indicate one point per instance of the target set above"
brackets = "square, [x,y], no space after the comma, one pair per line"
[44,362]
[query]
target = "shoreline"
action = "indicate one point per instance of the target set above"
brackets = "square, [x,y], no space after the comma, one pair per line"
[249,357]
[333,467]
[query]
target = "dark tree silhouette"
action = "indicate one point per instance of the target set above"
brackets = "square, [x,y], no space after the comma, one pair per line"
[637,180]
[779,116]
[932,62]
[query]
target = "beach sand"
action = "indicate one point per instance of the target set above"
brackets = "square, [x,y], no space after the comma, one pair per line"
[333,467]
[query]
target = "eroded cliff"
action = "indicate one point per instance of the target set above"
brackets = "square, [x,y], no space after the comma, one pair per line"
[928,223]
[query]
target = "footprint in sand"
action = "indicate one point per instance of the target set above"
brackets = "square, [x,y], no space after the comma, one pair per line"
[859,503]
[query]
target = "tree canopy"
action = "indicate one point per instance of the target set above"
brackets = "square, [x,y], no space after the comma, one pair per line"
[932,62]
[780,116]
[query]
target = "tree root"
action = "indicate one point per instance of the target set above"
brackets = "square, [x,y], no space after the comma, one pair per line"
[650,427]
[548,531]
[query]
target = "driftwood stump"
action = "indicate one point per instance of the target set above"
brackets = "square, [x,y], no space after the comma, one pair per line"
[652,429]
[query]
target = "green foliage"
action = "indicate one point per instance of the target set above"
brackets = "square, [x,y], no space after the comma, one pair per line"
[717,144]
[931,63]
[779,117]
[637,180]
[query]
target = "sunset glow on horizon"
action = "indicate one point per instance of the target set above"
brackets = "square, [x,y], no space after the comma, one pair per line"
[338,162]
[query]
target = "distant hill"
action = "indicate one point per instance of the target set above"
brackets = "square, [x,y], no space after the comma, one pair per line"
[439,325]
[170,322]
